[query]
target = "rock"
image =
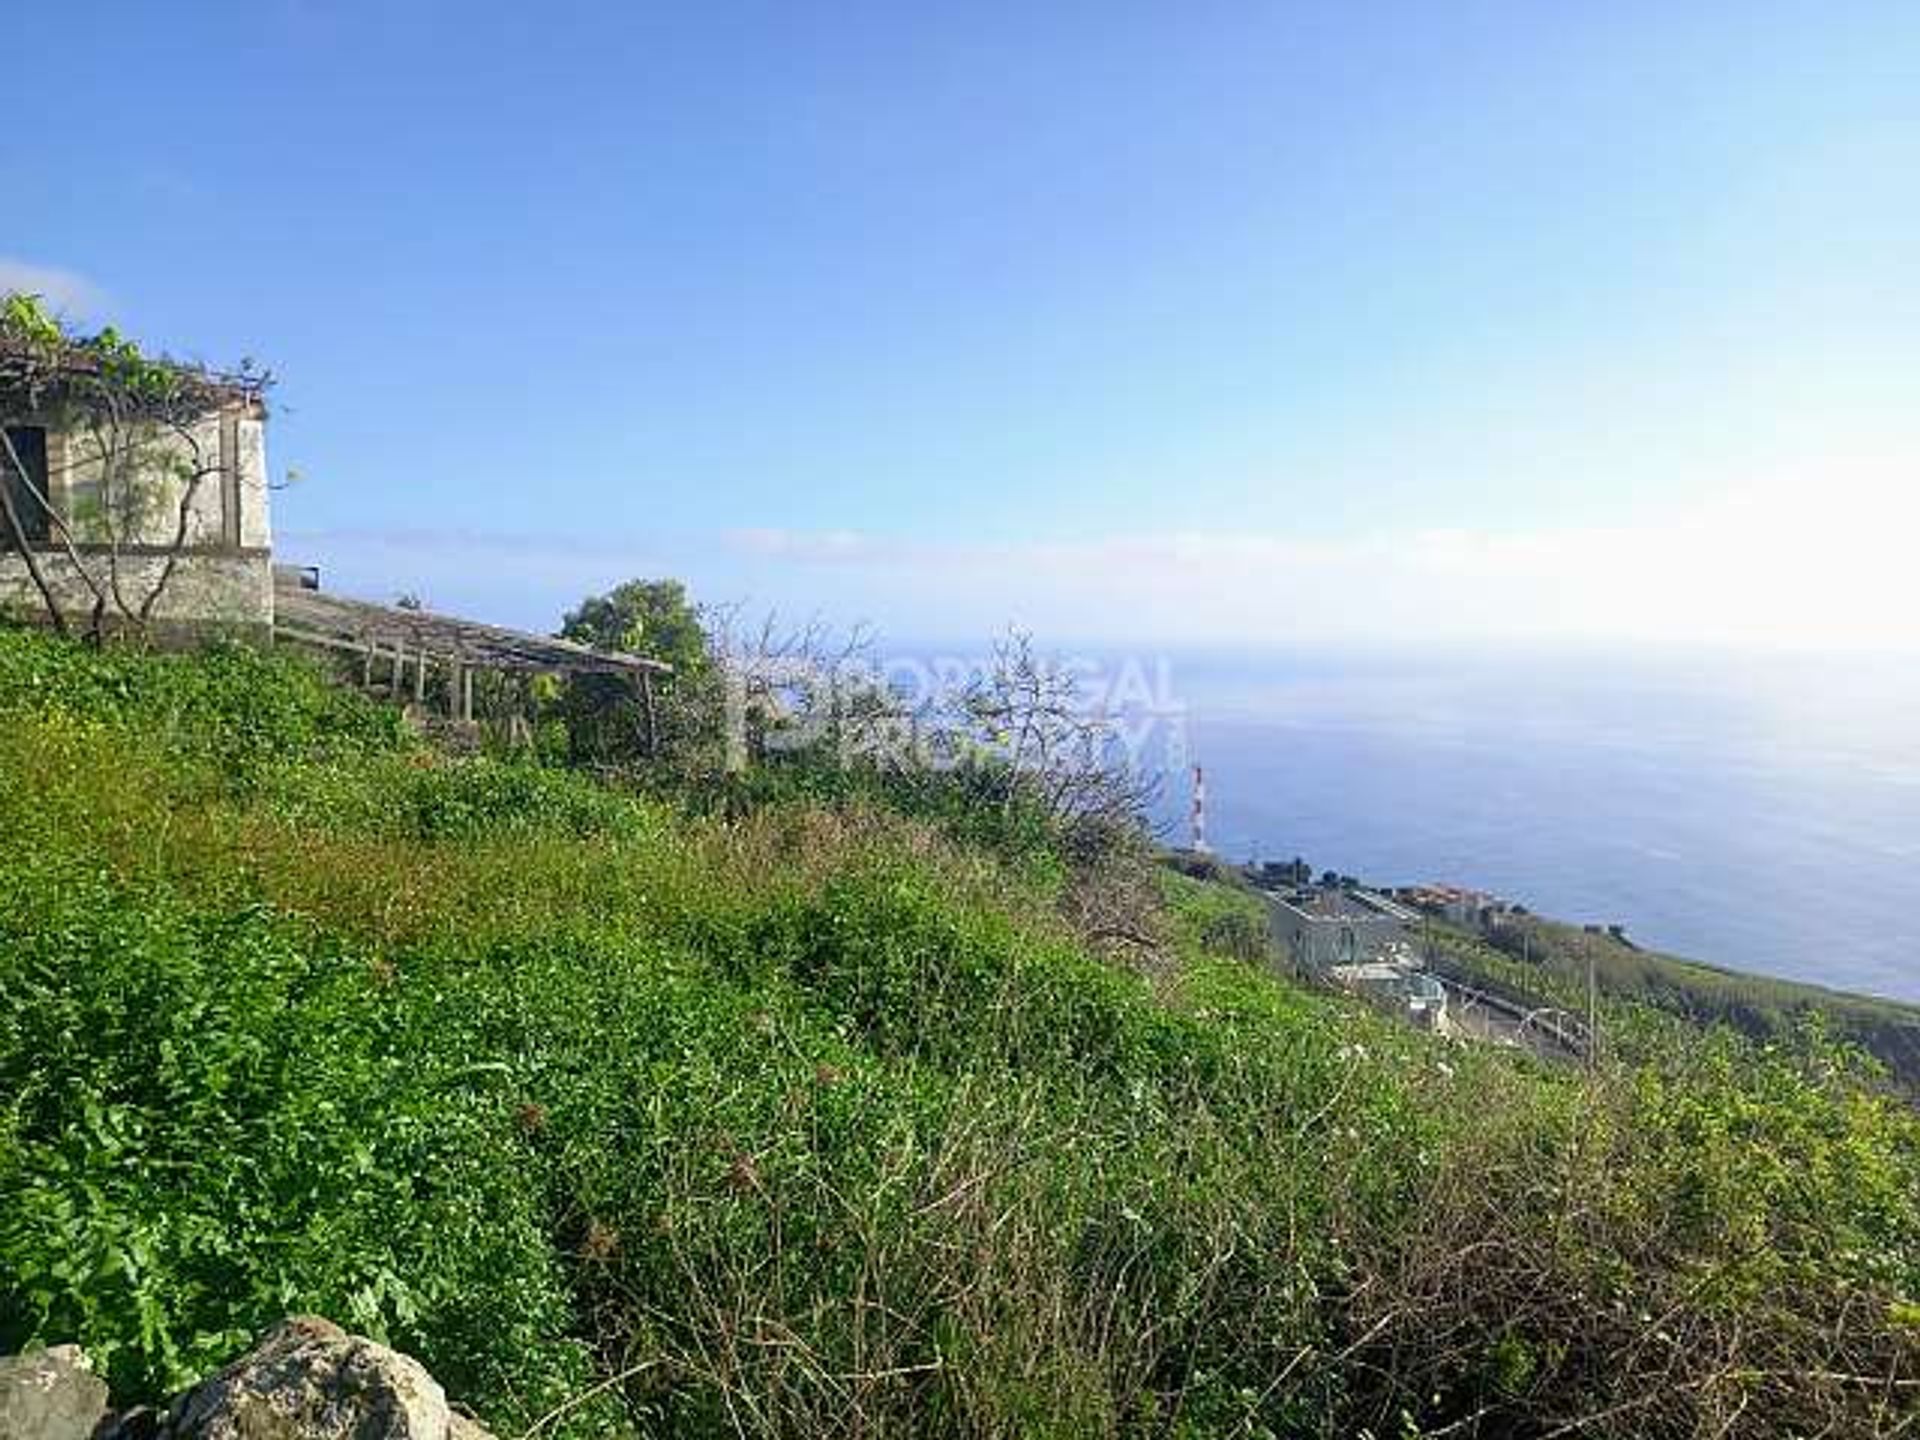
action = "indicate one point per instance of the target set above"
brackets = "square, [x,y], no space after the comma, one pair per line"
[308,1379]
[50,1395]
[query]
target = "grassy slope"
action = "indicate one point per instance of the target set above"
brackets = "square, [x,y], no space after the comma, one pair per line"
[816,1122]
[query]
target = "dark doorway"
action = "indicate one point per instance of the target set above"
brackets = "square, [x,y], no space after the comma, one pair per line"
[29,489]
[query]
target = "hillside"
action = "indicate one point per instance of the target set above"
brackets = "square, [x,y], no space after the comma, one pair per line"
[1549,960]
[802,1115]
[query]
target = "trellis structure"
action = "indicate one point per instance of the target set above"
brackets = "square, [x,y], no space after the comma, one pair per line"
[408,644]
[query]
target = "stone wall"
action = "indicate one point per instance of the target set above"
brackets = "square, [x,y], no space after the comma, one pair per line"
[221,590]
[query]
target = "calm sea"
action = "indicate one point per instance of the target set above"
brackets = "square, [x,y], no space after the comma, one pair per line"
[1763,815]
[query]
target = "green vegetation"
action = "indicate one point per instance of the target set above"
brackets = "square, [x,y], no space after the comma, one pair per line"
[1548,961]
[805,1112]
[682,723]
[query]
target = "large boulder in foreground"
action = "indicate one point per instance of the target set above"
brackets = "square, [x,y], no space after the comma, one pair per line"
[308,1379]
[50,1395]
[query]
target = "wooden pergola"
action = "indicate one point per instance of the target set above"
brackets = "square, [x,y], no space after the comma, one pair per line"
[408,643]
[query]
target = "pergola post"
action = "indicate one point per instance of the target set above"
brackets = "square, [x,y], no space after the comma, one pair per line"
[646,701]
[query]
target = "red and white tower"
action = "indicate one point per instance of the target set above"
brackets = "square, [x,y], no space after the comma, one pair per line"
[1200,812]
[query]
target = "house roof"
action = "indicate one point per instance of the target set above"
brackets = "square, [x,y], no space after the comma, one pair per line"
[1342,906]
[306,614]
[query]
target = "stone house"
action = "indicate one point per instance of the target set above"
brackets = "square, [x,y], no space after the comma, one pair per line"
[145,507]
[1324,927]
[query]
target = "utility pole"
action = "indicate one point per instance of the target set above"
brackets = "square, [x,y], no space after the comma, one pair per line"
[1200,811]
[1593,1013]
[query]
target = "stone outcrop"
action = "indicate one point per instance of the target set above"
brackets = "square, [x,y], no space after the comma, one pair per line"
[310,1380]
[307,1379]
[50,1395]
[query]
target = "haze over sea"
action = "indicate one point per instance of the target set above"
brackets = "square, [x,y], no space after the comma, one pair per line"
[1760,814]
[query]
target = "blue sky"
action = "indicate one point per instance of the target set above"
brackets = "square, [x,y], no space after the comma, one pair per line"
[1171,323]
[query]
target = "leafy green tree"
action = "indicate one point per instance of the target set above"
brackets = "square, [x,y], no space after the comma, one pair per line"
[653,618]
[609,721]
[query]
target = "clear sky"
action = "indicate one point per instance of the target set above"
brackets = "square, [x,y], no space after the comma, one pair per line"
[1159,322]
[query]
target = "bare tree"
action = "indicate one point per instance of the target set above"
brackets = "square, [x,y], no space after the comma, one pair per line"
[1029,712]
[795,685]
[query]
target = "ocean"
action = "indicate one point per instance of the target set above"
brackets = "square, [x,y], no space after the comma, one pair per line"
[1760,814]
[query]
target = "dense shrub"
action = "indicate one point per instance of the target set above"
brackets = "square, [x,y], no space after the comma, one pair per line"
[234,705]
[213,1118]
[967,803]
[424,797]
